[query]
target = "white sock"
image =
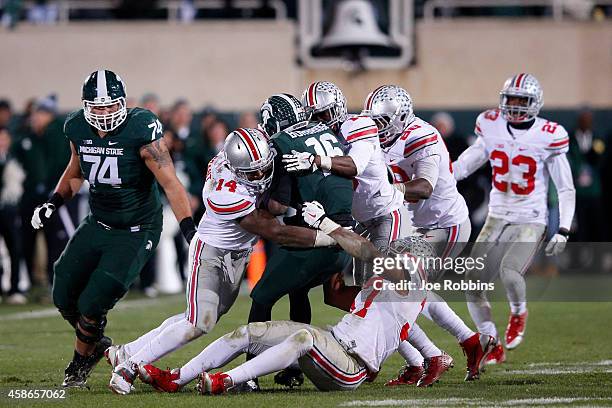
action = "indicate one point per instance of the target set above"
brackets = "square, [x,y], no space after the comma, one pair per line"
[437,310]
[411,355]
[171,338]
[421,342]
[481,314]
[275,358]
[216,354]
[517,308]
[135,346]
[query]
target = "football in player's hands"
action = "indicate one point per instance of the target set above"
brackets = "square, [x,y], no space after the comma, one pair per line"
[299,161]
[42,213]
[313,213]
[556,245]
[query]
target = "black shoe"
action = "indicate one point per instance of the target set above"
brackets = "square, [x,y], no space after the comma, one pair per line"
[289,377]
[74,375]
[248,386]
[78,371]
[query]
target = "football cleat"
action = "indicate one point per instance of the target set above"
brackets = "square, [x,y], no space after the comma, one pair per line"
[74,376]
[116,355]
[289,377]
[434,368]
[161,380]
[497,355]
[515,330]
[212,384]
[407,375]
[477,348]
[248,386]
[122,379]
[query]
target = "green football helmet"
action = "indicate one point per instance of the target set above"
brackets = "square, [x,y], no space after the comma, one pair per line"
[102,89]
[282,112]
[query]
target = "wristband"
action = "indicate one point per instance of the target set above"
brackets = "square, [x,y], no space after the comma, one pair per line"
[188,228]
[328,226]
[323,240]
[56,199]
[326,163]
[564,232]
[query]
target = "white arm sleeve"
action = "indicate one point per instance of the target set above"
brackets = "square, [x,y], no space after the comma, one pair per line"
[470,160]
[561,174]
[361,152]
[428,168]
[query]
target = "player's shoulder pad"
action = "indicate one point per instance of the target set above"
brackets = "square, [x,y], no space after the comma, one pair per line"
[555,136]
[358,128]
[420,137]
[145,125]
[229,205]
[73,120]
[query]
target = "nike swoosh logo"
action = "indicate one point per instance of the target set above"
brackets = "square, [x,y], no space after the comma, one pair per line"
[112,143]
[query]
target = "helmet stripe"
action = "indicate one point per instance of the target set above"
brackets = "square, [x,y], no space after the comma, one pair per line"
[255,154]
[518,80]
[371,97]
[101,84]
[311,94]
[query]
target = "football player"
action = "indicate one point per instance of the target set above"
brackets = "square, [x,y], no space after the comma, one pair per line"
[377,206]
[417,156]
[122,154]
[339,358]
[525,151]
[236,181]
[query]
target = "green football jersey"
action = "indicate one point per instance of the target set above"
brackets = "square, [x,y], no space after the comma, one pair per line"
[335,193]
[123,193]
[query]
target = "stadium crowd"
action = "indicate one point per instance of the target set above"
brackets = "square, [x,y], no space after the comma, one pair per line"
[34,153]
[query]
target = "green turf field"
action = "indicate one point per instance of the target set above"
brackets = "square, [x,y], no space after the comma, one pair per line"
[565,360]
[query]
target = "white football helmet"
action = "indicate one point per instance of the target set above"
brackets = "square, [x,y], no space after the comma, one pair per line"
[250,158]
[521,86]
[390,107]
[321,97]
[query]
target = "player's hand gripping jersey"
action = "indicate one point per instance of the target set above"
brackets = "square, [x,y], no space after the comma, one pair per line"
[374,195]
[378,322]
[122,191]
[226,201]
[333,192]
[522,162]
[446,207]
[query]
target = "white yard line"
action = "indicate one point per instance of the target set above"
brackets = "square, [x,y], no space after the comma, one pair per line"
[50,312]
[444,402]
[582,363]
[556,371]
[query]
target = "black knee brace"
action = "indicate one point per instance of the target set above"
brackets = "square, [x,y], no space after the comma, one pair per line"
[71,317]
[90,332]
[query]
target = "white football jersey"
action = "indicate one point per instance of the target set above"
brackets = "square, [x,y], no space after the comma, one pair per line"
[378,322]
[225,201]
[519,191]
[373,194]
[446,207]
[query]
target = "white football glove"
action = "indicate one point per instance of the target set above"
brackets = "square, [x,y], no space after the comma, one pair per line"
[299,161]
[42,213]
[556,245]
[314,215]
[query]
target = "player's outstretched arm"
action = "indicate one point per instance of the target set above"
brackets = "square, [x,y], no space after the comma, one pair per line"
[470,160]
[561,174]
[264,224]
[68,185]
[354,244]
[157,159]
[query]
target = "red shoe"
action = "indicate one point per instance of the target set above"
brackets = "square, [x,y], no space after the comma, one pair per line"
[477,348]
[497,355]
[515,330]
[212,383]
[161,380]
[434,368]
[407,375]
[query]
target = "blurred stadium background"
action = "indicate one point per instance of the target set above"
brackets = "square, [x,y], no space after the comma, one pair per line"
[205,66]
